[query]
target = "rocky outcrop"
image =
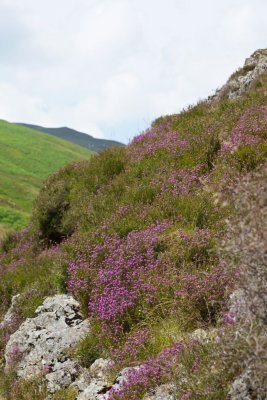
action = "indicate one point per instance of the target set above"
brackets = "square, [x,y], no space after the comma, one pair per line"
[243,78]
[40,344]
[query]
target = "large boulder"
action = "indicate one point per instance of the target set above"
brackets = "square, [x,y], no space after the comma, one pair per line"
[40,344]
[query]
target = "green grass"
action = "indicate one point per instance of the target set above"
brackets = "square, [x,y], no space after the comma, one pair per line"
[27,158]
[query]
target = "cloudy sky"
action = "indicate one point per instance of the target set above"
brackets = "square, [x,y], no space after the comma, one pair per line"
[109,67]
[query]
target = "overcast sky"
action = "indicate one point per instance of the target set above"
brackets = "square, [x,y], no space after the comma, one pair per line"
[109,67]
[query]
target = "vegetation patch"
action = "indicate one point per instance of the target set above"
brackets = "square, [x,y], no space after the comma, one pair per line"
[136,235]
[27,158]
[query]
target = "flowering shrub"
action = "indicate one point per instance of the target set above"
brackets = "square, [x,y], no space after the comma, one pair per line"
[153,140]
[130,351]
[153,372]
[250,130]
[123,278]
[179,181]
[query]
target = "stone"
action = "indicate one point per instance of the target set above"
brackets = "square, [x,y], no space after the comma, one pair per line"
[162,392]
[122,377]
[41,343]
[204,336]
[241,81]
[62,375]
[94,383]
[240,389]
[93,392]
[10,312]
[200,335]
[99,369]
[237,305]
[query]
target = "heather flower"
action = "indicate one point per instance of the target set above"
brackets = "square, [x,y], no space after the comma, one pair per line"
[121,277]
[157,139]
[151,373]
[249,130]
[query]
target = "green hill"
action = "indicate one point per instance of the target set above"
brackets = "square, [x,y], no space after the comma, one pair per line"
[80,138]
[26,159]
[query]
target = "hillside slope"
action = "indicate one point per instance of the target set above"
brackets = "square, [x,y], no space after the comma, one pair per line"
[152,239]
[26,159]
[73,136]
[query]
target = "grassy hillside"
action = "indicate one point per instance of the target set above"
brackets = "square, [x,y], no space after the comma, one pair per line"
[139,235]
[80,138]
[27,158]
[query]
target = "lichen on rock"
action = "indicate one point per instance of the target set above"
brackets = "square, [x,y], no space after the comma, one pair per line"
[243,78]
[40,344]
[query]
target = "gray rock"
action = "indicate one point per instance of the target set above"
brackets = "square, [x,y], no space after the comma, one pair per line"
[237,304]
[93,392]
[241,81]
[63,374]
[204,336]
[40,344]
[240,389]
[162,392]
[99,369]
[93,384]
[248,387]
[121,378]
[200,335]
[10,312]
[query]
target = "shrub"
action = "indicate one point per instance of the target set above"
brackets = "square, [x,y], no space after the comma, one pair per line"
[25,389]
[246,249]
[52,206]
[65,394]
[88,350]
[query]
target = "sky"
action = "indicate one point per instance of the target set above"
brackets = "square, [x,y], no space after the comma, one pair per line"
[110,67]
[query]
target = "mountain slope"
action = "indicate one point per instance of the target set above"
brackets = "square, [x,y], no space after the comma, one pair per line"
[26,159]
[142,236]
[80,138]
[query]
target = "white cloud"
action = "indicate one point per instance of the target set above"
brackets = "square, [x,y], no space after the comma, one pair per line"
[107,67]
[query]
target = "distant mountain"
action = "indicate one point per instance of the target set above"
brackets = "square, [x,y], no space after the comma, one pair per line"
[76,137]
[27,158]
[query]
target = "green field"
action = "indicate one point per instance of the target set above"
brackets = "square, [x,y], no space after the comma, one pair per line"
[26,159]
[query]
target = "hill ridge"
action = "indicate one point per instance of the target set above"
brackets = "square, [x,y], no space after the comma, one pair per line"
[74,136]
